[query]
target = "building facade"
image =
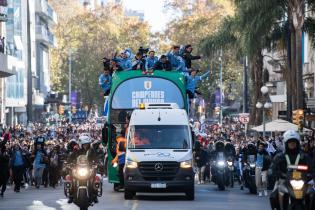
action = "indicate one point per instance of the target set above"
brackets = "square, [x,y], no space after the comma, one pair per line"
[42,39]
[42,18]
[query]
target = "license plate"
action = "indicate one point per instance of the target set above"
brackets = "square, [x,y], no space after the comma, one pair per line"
[158,185]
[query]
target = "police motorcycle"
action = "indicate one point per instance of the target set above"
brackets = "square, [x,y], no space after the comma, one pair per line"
[219,166]
[249,166]
[83,183]
[294,192]
[230,171]
[230,154]
[249,174]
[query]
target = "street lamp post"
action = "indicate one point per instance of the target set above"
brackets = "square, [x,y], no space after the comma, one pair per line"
[265,104]
[221,88]
[70,68]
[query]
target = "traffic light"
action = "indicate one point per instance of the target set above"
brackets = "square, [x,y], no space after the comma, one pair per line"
[61,109]
[73,109]
[298,117]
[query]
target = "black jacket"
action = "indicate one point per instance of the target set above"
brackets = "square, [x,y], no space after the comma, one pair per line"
[201,157]
[91,155]
[188,57]
[279,164]
[162,66]
[4,160]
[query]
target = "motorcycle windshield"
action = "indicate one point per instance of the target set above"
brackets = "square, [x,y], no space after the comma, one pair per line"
[251,159]
[220,155]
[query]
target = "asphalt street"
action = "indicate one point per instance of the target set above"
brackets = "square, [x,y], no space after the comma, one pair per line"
[207,197]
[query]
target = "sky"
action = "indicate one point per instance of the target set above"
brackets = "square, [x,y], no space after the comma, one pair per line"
[153,12]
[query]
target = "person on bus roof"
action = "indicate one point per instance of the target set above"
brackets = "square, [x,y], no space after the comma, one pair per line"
[150,61]
[163,64]
[138,62]
[188,57]
[125,61]
[105,81]
[192,82]
[176,61]
[115,66]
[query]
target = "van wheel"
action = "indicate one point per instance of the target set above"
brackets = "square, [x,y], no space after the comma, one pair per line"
[190,195]
[129,194]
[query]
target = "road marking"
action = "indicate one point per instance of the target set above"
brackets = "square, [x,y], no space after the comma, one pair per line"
[135,205]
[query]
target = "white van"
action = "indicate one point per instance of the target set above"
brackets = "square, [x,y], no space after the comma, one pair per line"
[159,151]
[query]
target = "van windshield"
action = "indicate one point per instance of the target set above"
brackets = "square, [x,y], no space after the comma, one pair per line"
[159,137]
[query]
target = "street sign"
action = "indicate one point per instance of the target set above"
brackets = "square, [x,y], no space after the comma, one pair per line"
[244,118]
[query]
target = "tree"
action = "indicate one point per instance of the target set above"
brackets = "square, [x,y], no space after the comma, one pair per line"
[91,36]
[196,20]
[260,25]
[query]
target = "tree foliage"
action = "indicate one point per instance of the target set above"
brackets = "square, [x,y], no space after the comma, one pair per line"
[90,36]
[196,20]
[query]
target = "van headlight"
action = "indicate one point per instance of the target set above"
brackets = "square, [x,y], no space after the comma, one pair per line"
[131,164]
[230,163]
[297,184]
[186,164]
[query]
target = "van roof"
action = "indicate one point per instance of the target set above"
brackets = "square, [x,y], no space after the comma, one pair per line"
[159,117]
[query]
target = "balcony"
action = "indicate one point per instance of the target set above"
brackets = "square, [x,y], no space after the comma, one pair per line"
[44,10]
[3,14]
[3,3]
[44,35]
[4,71]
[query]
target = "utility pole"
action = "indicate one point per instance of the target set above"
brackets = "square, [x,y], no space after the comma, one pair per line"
[29,105]
[70,84]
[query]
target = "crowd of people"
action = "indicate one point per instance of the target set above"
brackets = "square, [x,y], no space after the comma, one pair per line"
[35,155]
[177,59]
[268,152]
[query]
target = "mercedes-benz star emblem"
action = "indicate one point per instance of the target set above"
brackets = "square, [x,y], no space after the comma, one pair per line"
[158,167]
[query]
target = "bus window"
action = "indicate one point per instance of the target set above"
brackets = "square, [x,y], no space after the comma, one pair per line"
[133,92]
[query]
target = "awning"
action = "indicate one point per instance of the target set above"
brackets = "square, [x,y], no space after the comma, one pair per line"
[277,125]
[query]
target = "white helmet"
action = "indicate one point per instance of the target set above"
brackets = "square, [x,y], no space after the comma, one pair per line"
[84,139]
[291,135]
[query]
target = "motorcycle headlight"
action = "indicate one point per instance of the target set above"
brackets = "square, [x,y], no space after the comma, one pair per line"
[297,184]
[230,163]
[186,164]
[131,164]
[82,172]
[221,163]
[252,165]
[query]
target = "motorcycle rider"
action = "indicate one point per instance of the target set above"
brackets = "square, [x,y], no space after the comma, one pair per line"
[292,155]
[85,149]
[217,153]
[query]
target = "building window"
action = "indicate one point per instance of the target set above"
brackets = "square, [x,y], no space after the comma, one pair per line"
[15,85]
[14,28]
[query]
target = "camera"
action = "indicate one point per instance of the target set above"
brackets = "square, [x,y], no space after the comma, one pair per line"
[143,51]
